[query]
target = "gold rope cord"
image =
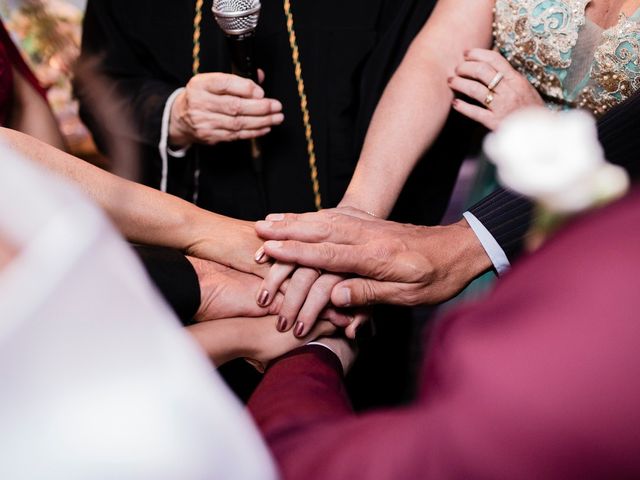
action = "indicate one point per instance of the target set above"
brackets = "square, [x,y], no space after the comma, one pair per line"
[197,20]
[304,104]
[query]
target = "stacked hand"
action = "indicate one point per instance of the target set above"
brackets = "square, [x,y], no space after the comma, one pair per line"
[308,291]
[397,263]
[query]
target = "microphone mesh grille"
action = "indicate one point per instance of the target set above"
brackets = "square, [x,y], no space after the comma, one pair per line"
[230,17]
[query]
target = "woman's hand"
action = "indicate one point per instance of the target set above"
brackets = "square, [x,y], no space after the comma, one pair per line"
[227,293]
[307,298]
[251,338]
[510,90]
[224,240]
[220,107]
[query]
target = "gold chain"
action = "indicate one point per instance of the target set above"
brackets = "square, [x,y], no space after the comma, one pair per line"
[197,20]
[304,104]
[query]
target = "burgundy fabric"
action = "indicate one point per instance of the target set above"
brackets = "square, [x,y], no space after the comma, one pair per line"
[540,380]
[10,57]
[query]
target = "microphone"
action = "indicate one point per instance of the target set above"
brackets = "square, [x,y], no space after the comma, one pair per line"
[238,19]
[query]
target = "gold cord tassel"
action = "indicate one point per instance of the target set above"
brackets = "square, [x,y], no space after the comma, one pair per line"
[197,20]
[304,106]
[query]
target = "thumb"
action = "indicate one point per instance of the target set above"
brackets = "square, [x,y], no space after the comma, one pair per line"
[357,292]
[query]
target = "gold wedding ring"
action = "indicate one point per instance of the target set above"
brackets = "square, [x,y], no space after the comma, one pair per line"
[494,82]
[488,99]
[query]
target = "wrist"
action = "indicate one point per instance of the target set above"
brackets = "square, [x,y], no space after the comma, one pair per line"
[370,208]
[179,133]
[473,256]
[201,267]
[218,339]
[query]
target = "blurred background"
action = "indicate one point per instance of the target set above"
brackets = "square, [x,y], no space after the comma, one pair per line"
[48,32]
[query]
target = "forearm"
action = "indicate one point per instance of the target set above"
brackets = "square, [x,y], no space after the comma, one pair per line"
[303,411]
[299,389]
[408,118]
[143,215]
[415,104]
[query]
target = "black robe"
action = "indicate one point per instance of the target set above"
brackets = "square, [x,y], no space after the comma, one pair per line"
[349,50]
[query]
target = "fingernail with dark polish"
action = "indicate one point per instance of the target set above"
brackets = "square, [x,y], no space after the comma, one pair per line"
[259,254]
[263,298]
[282,324]
[299,329]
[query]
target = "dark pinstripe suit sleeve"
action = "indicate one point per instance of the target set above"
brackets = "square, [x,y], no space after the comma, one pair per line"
[507,215]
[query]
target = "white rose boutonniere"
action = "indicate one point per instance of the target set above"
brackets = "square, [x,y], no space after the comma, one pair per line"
[555,159]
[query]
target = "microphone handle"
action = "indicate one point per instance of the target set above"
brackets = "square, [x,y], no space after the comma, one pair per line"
[241,48]
[242,62]
[242,57]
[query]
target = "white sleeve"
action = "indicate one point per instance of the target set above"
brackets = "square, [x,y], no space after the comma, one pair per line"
[163,146]
[490,245]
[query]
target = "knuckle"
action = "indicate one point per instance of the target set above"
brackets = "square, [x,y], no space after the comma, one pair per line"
[327,252]
[368,293]
[236,124]
[233,106]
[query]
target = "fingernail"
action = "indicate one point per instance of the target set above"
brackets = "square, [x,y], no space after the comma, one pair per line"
[299,329]
[273,244]
[454,102]
[344,297]
[466,53]
[282,324]
[264,224]
[449,79]
[259,254]
[276,106]
[275,217]
[263,298]
[278,118]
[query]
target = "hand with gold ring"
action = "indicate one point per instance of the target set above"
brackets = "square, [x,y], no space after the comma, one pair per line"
[487,77]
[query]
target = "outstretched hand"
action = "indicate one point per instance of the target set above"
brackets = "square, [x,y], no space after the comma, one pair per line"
[401,264]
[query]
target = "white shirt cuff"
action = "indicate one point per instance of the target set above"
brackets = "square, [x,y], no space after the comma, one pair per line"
[163,146]
[490,245]
[323,345]
[180,153]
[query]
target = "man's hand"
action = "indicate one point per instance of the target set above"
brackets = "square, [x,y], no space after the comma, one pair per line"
[219,107]
[228,293]
[404,264]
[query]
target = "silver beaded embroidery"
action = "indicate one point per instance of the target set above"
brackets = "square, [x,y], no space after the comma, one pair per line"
[538,37]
